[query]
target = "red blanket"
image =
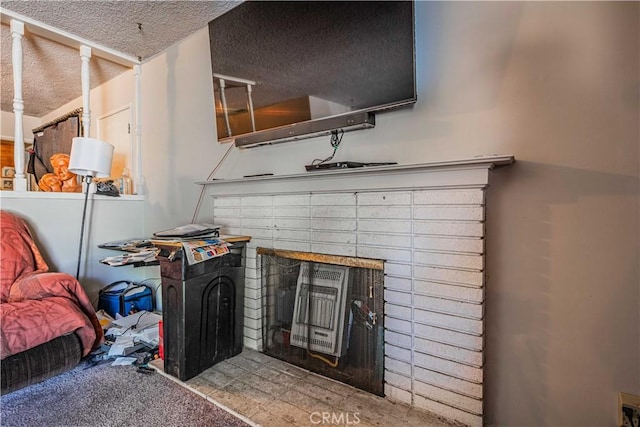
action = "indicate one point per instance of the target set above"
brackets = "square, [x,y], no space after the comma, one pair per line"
[37,306]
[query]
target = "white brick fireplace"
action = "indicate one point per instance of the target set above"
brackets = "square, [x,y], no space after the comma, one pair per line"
[426,221]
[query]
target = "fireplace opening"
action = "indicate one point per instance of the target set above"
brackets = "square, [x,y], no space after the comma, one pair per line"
[326,317]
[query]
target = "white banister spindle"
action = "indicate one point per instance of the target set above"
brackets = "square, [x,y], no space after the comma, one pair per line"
[138,178]
[85,56]
[17,32]
[231,82]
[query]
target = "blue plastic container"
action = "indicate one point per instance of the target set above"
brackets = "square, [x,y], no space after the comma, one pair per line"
[125,298]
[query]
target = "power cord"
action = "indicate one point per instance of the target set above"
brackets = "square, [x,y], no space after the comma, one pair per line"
[336,139]
[134,327]
[152,278]
[204,187]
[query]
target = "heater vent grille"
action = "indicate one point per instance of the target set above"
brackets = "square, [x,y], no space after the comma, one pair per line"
[322,274]
[319,308]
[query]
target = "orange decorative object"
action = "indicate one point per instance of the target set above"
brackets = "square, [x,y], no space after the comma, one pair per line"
[61,179]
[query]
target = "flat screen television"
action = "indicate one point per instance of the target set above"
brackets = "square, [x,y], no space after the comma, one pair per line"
[290,70]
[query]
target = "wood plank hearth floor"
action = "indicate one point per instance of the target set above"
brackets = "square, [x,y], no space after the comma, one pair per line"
[273,393]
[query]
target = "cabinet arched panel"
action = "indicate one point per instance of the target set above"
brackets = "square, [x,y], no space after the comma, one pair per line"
[217,323]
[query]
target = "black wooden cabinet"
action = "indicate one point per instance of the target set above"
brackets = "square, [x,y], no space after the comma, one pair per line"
[202,310]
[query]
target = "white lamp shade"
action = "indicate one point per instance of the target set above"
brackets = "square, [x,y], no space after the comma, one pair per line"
[90,157]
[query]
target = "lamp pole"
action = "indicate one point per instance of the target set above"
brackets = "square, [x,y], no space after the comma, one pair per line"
[87,179]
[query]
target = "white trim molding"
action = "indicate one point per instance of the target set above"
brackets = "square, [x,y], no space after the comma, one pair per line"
[456,173]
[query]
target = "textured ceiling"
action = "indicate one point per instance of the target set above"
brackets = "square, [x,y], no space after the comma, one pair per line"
[51,72]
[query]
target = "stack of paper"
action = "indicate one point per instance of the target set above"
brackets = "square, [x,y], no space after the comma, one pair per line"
[133,330]
[131,257]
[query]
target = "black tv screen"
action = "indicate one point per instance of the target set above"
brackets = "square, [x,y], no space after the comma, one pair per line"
[290,70]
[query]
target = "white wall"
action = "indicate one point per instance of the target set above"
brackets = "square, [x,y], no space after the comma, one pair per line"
[8,126]
[55,220]
[553,83]
[104,99]
[178,131]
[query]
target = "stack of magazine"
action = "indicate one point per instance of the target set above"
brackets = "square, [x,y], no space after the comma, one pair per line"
[200,242]
[138,252]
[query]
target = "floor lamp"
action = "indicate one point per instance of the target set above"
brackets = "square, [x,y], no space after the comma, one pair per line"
[89,158]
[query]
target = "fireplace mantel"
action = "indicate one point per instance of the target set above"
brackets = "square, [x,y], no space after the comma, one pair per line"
[425,223]
[450,174]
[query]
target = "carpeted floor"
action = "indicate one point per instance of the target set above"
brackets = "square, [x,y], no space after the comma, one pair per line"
[106,395]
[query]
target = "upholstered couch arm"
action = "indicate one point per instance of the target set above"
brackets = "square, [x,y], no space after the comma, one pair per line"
[43,285]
